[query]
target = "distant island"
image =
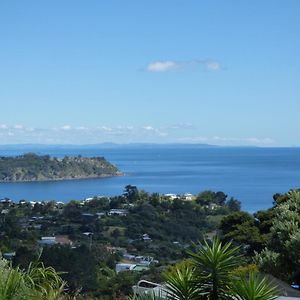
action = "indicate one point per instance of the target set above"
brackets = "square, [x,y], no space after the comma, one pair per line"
[33,167]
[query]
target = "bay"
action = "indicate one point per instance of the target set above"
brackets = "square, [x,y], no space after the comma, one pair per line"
[251,175]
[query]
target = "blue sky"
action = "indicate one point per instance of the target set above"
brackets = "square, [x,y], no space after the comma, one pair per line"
[219,72]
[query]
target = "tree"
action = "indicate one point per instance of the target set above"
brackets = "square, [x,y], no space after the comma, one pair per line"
[281,256]
[242,228]
[208,197]
[131,193]
[209,275]
[213,264]
[233,204]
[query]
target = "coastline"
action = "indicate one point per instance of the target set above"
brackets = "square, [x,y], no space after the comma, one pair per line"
[119,174]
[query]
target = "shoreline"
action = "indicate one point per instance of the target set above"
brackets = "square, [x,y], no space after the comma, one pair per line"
[65,178]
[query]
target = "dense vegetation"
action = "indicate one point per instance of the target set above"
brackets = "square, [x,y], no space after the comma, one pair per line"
[99,233]
[270,238]
[32,167]
[212,272]
[100,241]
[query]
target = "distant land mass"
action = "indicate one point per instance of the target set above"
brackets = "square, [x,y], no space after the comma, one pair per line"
[37,147]
[33,167]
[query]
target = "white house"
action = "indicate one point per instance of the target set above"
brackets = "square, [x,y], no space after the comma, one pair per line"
[124,267]
[187,197]
[171,196]
[118,212]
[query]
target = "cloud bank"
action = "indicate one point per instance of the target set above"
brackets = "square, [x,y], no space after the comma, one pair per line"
[148,133]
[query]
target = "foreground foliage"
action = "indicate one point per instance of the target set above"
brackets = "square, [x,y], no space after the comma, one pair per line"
[37,282]
[209,275]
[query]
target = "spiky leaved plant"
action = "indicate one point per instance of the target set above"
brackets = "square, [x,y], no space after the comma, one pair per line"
[253,287]
[213,266]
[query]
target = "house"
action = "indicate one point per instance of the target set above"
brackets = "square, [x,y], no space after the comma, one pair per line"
[114,250]
[87,216]
[47,241]
[53,240]
[129,256]
[5,201]
[88,233]
[146,238]
[100,215]
[122,267]
[171,196]
[144,260]
[118,212]
[33,203]
[87,200]
[59,205]
[187,197]
[63,240]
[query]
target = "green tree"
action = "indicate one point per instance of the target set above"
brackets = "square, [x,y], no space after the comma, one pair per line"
[233,204]
[243,229]
[131,192]
[209,275]
[281,256]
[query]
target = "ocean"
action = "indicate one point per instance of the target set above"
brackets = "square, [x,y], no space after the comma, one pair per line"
[251,175]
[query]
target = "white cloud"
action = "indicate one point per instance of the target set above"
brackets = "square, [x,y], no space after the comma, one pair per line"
[213,66]
[3,126]
[171,65]
[66,127]
[149,128]
[105,128]
[162,66]
[81,128]
[18,126]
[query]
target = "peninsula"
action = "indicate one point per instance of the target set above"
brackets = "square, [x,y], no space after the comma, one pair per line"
[33,167]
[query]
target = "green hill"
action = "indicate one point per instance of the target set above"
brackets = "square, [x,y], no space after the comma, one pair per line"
[32,167]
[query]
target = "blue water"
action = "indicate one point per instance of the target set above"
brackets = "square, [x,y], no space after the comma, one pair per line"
[251,175]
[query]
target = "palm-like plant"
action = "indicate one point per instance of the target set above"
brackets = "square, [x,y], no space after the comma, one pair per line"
[180,283]
[253,287]
[37,282]
[210,276]
[45,280]
[12,283]
[213,264]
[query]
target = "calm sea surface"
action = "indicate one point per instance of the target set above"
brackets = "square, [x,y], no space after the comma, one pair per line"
[252,175]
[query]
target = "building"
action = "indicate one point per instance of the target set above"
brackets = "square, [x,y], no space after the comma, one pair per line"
[118,212]
[123,267]
[171,196]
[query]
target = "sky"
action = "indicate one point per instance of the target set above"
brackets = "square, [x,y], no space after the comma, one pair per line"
[160,71]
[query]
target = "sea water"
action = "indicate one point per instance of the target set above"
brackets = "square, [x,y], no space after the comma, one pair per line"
[251,175]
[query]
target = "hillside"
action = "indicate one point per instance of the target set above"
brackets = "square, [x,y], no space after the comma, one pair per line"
[32,167]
